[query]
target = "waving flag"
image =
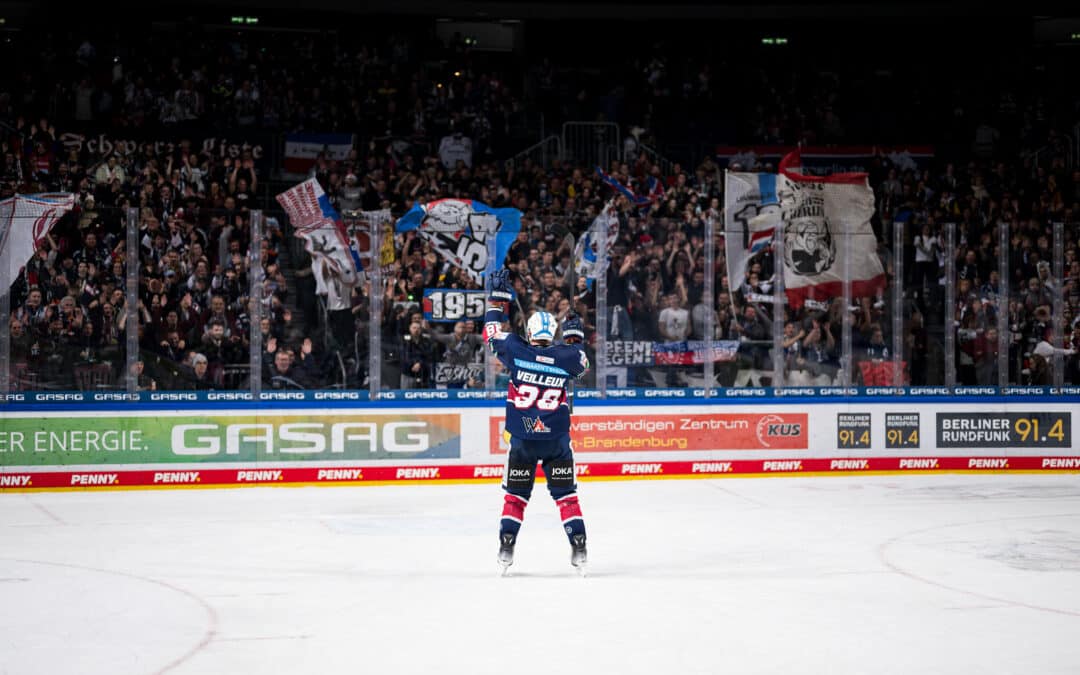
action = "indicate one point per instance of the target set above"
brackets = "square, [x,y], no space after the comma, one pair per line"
[302,150]
[622,189]
[656,189]
[819,214]
[335,256]
[587,262]
[693,352]
[751,216]
[24,222]
[459,230]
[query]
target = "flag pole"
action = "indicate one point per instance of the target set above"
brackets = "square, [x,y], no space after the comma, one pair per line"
[898,305]
[709,293]
[376,293]
[778,307]
[255,301]
[950,322]
[131,299]
[601,311]
[5,342]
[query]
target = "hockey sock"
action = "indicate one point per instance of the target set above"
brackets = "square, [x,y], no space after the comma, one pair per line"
[570,511]
[512,515]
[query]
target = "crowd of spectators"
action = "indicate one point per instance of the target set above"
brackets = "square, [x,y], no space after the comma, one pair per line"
[191,79]
[656,277]
[69,309]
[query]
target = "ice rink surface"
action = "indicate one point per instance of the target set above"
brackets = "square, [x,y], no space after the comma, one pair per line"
[905,574]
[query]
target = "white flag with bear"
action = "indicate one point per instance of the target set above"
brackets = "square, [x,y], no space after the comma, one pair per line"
[818,212]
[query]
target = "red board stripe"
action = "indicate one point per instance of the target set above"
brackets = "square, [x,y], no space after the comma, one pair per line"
[15,480]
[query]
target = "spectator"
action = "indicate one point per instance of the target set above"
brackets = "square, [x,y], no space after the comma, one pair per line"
[818,349]
[456,150]
[201,376]
[283,374]
[462,347]
[674,321]
[110,171]
[416,358]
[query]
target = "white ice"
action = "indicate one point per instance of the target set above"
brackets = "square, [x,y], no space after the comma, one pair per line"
[905,574]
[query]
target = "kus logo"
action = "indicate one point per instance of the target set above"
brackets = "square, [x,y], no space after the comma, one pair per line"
[534,426]
[772,427]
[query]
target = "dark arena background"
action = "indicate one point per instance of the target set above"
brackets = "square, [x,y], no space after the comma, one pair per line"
[261,246]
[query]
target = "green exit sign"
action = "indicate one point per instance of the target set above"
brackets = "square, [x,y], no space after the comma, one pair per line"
[244,20]
[773,41]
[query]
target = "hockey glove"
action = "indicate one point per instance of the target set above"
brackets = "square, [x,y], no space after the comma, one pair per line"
[572,330]
[501,289]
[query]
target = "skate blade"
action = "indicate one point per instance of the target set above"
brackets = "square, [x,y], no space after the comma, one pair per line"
[504,570]
[581,570]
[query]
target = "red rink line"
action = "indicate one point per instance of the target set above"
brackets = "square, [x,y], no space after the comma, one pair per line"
[14,480]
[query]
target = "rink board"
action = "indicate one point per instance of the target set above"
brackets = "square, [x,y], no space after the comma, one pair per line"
[123,446]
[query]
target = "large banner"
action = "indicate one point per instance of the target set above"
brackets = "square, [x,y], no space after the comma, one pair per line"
[423,441]
[628,353]
[751,216]
[674,432]
[820,215]
[460,230]
[825,223]
[131,142]
[207,438]
[24,222]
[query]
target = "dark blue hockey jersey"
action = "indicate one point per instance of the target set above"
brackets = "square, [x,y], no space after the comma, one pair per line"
[536,405]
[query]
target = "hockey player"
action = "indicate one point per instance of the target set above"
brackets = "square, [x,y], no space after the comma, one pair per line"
[537,416]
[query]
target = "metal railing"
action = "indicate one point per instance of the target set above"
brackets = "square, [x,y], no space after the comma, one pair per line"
[591,143]
[541,153]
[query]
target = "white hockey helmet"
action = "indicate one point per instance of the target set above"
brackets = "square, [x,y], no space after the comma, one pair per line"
[541,327]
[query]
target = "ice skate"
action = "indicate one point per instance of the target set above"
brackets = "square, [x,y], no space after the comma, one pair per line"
[578,555]
[506,553]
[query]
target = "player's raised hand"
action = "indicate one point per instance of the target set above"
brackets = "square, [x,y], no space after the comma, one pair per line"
[573,331]
[501,288]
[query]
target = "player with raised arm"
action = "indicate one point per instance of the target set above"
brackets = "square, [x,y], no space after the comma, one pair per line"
[537,416]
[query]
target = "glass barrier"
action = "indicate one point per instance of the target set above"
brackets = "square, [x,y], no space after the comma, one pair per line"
[232,300]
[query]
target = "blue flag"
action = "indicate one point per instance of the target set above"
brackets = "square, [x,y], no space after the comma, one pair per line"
[622,189]
[459,230]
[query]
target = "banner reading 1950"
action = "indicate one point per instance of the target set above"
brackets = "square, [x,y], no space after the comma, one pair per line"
[123,439]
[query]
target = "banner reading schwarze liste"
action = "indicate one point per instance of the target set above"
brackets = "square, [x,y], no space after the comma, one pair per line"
[199,438]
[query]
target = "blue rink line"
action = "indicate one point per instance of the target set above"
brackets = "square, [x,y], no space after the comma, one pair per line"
[202,403]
